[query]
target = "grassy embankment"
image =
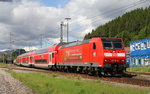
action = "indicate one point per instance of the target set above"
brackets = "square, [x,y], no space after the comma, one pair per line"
[139,69]
[53,84]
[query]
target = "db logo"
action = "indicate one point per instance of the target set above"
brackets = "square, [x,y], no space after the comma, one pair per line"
[114,54]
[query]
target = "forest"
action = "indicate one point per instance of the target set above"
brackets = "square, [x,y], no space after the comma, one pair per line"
[133,25]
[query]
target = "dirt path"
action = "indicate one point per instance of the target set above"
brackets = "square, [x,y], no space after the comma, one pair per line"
[9,85]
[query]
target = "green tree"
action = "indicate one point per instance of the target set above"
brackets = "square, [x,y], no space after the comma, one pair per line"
[131,26]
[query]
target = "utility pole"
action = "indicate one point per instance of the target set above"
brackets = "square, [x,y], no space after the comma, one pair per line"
[67,28]
[10,57]
[3,58]
[41,40]
[61,32]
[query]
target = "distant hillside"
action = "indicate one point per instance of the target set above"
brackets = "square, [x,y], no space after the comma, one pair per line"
[134,25]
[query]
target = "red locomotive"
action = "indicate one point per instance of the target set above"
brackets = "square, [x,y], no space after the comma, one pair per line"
[94,56]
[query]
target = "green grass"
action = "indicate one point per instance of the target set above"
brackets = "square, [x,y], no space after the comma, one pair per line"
[52,84]
[139,69]
[7,65]
[3,65]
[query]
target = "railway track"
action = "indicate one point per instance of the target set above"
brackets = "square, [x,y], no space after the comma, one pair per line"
[133,81]
[127,79]
[142,73]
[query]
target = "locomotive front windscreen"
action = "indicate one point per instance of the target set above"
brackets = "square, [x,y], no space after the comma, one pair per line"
[112,43]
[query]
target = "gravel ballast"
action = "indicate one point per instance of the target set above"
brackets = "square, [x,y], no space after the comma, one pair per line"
[10,85]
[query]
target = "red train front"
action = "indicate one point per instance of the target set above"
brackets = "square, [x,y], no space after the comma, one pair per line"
[97,55]
[114,55]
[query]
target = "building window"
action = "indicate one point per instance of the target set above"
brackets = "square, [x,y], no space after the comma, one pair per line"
[132,62]
[145,45]
[139,62]
[139,45]
[132,48]
[148,63]
[148,44]
[142,45]
[136,46]
[142,62]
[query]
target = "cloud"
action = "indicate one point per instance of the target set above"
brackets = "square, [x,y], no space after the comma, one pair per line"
[27,19]
[5,0]
[88,14]
[30,48]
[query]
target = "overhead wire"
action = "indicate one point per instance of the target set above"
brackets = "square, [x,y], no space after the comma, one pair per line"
[112,14]
[112,11]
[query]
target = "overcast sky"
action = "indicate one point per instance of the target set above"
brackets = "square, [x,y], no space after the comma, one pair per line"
[28,19]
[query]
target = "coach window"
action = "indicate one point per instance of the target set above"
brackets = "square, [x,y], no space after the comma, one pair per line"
[94,46]
[41,61]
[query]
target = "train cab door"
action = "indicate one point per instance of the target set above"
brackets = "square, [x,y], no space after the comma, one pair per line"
[93,52]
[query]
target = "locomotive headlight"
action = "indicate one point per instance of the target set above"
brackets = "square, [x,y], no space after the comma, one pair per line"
[122,60]
[120,54]
[107,60]
[107,54]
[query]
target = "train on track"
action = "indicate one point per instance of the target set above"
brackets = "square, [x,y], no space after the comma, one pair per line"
[98,56]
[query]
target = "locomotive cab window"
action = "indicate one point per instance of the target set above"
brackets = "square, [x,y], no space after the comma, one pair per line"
[112,43]
[94,46]
[107,45]
[117,45]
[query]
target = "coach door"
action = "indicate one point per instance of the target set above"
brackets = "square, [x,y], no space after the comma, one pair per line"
[31,59]
[51,57]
